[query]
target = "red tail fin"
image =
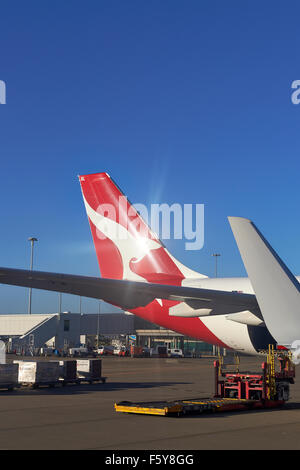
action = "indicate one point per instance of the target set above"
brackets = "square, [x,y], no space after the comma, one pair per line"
[126,248]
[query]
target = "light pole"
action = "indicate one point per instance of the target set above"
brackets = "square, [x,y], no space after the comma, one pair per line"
[31,240]
[216,255]
[98,319]
[216,349]
[59,302]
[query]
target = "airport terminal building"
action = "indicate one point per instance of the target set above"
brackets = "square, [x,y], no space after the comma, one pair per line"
[65,330]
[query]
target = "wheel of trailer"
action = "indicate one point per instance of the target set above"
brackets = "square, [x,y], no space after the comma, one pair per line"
[283,391]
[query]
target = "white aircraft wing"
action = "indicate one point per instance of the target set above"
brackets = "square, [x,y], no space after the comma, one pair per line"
[131,294]
[276,288]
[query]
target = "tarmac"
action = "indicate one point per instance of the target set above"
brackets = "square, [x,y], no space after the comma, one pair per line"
[83,416]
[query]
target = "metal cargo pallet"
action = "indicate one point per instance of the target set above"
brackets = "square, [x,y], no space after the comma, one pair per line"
[62,382]
[35,385]
[81,380]
[193,406]
[91,380]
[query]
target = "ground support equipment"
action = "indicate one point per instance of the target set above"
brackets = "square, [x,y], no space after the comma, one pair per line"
[234,391]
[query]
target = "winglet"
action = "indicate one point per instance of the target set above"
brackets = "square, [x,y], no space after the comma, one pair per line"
[276,288]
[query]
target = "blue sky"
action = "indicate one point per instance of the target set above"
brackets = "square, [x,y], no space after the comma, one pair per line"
[185,102]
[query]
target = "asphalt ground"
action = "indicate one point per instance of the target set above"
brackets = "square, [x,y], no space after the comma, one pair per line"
[83,416]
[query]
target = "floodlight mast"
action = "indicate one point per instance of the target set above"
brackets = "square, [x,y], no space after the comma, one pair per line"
[31,240]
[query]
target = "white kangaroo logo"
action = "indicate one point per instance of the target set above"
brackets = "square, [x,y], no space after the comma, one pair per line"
[128,246]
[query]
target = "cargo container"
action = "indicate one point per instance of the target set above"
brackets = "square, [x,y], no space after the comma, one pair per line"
[38,372]
[89,369]
[8,375]
[68,371]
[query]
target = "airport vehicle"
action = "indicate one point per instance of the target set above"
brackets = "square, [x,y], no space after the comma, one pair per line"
[234,390]
[47,351]
[142,277]
[146,351]
[159,351]
[121,351]
[175,352]
[106,350]
[99,350]
[80,351]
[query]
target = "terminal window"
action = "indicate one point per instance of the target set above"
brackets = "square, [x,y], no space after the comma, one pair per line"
[66,325]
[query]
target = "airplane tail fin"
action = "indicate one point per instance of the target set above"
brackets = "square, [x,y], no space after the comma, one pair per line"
[126,247]
[276,288]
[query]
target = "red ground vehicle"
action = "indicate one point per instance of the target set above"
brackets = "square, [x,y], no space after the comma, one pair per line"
[122,351]
[234,391]
[106,350]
